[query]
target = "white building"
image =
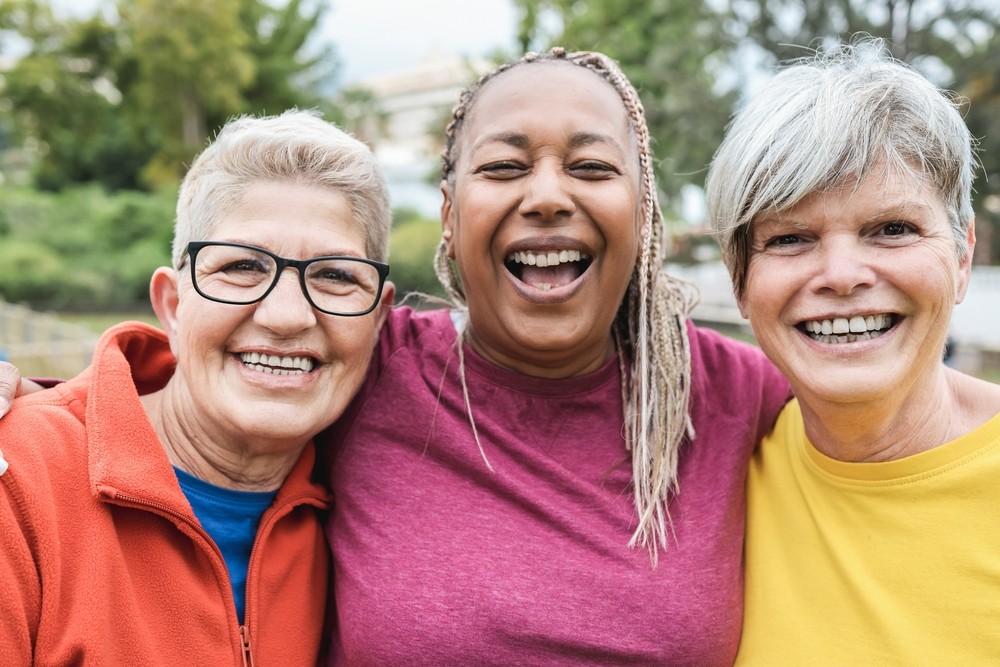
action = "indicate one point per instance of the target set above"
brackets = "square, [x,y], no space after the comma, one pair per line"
[417,104]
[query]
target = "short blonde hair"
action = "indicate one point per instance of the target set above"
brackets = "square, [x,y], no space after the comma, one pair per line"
[295,146]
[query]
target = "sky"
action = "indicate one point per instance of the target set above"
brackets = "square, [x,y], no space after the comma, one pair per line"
[380,36]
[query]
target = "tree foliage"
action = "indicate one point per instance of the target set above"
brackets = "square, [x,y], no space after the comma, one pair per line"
[128,95]
[82,248]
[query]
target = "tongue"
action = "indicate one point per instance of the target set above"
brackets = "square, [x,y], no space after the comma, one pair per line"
[549,276]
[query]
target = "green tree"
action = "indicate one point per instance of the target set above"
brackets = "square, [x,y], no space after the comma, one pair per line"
[126,97]
[60,98]
[413,242]
[357,110]
[192,59]
[291,70]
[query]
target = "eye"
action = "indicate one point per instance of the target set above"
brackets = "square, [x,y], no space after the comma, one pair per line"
[783,240]
[896,228]
[502,169]
[248,265]
[593,169]
[334,275]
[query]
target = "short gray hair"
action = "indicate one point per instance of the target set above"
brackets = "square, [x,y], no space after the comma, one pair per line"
[295,146]
[828,120]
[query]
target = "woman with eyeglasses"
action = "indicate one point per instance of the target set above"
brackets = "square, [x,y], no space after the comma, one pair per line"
[171,516]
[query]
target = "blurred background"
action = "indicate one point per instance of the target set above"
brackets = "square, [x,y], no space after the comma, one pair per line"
[103,103]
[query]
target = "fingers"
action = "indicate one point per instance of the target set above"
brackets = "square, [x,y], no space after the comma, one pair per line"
[10,383]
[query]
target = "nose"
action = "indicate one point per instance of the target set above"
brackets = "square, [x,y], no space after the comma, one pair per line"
[844,265]
[285,309]
[547,194]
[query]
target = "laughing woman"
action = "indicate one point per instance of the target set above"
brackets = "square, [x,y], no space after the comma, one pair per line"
[502,456]
[160,508]
[842,197]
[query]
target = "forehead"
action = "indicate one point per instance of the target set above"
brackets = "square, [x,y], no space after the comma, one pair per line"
[304,216]
[549,96]
[853,202]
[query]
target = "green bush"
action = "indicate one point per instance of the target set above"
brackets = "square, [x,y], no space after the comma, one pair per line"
[82,248]
[411,257]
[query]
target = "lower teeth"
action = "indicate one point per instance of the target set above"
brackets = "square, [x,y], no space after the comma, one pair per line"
[845,338]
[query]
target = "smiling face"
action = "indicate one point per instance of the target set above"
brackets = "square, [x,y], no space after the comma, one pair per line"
[229,356]
[850,291]
[543,217]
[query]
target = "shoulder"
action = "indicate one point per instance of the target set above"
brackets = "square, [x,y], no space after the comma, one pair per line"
[734,378]
[718,356]
[44,434]
[405,327]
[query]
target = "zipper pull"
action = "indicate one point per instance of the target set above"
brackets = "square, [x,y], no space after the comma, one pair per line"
[245,645]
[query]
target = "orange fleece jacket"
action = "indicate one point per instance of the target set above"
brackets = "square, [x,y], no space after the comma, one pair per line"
[102,560]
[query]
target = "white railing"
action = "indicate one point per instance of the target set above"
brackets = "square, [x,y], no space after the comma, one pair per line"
[41,344]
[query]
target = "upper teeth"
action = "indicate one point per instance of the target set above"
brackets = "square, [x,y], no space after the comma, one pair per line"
[843,325]
[550,258]
[269,363]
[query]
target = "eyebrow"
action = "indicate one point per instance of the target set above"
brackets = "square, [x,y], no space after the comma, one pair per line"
[897,207]
[521,140]
[332,252]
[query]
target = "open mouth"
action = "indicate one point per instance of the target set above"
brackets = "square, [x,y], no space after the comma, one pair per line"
[848,329]
[550,269]
[276,365]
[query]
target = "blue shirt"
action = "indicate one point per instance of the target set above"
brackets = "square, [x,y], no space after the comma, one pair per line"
[230,518]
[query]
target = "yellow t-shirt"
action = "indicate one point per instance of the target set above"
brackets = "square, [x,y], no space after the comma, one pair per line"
[894,563]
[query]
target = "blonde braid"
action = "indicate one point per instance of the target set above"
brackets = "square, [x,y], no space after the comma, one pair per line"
[652,319]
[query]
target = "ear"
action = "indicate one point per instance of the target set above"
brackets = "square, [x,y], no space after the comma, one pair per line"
[163,294]
[741,304]
[965,265]
[447,219]
[385,304]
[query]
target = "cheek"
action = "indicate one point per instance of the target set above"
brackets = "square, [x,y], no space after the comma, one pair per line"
[766,290]
[350,347]
[203,331]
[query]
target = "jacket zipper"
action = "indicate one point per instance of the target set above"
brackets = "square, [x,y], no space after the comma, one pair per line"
[270,515]
[245,642]
[245,650]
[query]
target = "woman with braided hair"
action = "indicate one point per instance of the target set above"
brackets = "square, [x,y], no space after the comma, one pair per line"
[550,471]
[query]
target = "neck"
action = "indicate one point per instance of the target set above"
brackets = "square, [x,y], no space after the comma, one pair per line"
[231,461]
[892,427]
[545,363]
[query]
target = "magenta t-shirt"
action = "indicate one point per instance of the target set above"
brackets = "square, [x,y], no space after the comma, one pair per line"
[439,560]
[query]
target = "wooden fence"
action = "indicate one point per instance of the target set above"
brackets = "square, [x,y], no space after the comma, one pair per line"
[41,344]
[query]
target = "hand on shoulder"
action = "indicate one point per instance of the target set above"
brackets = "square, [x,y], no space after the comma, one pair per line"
[13,385]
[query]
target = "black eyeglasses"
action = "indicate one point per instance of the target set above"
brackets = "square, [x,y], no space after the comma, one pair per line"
[241,274]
